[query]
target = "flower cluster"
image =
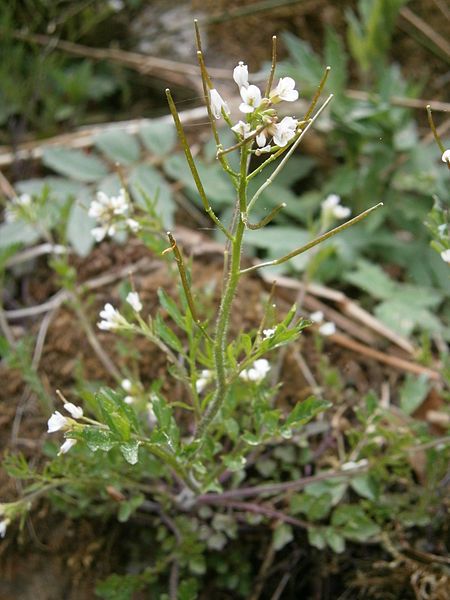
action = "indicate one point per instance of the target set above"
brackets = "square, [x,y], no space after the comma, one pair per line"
[111,211]
[256,373]
[112,319]
[59,422]
[262,120]
[332,206]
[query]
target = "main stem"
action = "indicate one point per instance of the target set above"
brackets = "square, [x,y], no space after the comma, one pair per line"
[223,317]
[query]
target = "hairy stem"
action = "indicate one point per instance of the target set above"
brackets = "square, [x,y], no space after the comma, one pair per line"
[223,318]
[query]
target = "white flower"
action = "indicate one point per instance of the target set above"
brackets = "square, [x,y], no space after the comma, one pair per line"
[268,333]
[105,209]
[341,212]
[115,5]
[284,91]
[23,200]
[331,201]
[66,446]
[327,328]
[257,372]
[445,255]
[99,233]
[242,129]
[57,422]
[316,317]
[349,466]
[133,225]
[251,97]
[104,205]
[75,411]
[240,74]
[3,526]
[112,319]
[128,399]
[261,139]
[126,385]
[217,104]
[134,301]
[202,381]
[285,131]
[446,156]
[331,206]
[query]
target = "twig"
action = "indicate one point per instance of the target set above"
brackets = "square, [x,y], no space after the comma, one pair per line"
[34,252]
[170,70]
[93,340]
[280,587]
[6,188]
[261,510]
[426,29]
[276,488]
[418,103]
[387,359]
[260,7]
[262,574]
[348,306]
[84,136]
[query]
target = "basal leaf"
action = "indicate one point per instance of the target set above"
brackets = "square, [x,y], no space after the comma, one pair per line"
[75,164]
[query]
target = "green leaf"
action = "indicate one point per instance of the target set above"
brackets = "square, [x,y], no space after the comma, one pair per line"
[98,439]
[118,146]
[306,410]
[314,507]
[18,232]
[116,413]
[75,164]
[234,463]
[79,226]
[147,183]
[334,540]
[365,486]
[167,335]
[188,589]
[404,316]
[373,280]
[306,60]
[335,487]
[282,536]
[217,187]
[128,507]
[353,523]
[159,137]
[413,392]
[129,451]
[171,307]
[167,426]
[316,538]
